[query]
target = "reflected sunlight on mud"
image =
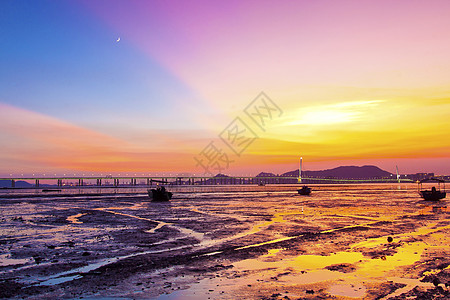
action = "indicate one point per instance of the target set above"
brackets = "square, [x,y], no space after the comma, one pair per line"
[357,241]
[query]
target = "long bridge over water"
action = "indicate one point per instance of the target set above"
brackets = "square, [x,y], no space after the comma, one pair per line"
[130,181]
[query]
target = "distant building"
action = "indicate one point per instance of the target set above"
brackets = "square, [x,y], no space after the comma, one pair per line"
[446,177]
[419,176]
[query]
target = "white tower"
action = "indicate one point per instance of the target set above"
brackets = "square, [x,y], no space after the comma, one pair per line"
[398,175]
[300,171]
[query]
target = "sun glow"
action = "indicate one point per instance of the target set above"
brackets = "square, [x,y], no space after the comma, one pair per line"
[326,117]
[343,112]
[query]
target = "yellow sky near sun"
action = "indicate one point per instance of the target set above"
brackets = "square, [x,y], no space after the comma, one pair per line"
[405,124]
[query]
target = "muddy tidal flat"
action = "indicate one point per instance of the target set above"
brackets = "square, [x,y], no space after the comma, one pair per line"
[226,242]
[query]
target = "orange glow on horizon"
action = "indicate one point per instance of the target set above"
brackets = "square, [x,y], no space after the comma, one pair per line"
[43,143]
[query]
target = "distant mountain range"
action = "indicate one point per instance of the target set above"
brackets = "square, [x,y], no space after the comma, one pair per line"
[344,172]
[21,184]
[18,184]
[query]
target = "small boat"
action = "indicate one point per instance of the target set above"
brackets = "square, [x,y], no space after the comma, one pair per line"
[304,190]
[433,194]
[159,194]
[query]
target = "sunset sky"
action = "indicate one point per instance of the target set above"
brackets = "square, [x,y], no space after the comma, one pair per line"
[146,86]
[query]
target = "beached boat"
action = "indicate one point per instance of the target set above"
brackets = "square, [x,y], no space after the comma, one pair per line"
[51,190]
[159,194]
[433,194]
[304,190]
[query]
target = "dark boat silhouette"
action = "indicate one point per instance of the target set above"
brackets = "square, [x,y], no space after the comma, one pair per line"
[159,194]
[433,194]
[304,190]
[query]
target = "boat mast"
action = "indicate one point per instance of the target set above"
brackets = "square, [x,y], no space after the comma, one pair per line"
[300,171]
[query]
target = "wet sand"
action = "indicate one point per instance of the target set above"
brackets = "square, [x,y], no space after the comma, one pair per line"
[342,242]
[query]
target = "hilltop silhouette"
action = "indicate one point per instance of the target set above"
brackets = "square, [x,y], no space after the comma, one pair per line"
[344,172]
[265,174]
[19,184]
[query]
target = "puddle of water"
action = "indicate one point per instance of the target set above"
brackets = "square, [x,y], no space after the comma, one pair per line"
[427,230]
[410,284]
[432,272]
[312,262]
[272,252]
[277,218]
[6,260]
[357,217]
[406,255]
[348,290]
[375,242]
[55,281]
[312,277]
[294,269]
[160,225]
[269,242]
[211,253]
[347,227]
[74,273]
[253,230]
[74,219]
[204,289]
[371,243]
